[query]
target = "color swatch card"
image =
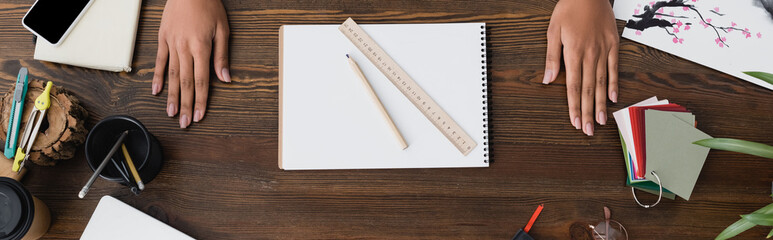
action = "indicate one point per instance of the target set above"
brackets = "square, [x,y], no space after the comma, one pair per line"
[642,185]
[671,152]
[328,121]
[657,136]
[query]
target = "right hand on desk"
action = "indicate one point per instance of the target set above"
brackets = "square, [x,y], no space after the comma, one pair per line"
[587,31]
[189,31]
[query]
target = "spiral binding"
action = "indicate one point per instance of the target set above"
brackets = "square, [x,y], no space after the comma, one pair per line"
[485,91]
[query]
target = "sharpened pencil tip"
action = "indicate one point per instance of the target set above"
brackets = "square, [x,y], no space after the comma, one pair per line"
[347,55]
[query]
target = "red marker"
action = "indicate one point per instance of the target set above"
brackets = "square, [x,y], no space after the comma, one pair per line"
[523,234]
[533,218]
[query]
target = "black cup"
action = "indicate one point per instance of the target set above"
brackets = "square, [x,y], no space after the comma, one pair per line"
[22,216]
[143,148]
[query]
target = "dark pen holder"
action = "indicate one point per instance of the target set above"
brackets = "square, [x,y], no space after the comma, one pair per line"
[142,146]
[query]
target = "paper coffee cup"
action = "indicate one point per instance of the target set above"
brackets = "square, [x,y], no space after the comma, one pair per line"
[22,216]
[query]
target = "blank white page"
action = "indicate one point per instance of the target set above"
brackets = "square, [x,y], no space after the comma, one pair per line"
[327,120]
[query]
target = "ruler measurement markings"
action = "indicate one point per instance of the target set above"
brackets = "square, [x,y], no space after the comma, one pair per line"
[416,95]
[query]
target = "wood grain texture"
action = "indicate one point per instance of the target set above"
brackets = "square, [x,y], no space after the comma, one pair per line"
[221,181]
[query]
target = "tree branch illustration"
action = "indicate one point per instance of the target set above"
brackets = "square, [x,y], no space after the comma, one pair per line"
[653,16]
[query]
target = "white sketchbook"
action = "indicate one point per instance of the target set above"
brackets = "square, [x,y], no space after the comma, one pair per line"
[114,219]
[327,121]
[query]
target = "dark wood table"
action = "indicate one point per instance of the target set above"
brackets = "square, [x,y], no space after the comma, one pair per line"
[221,180]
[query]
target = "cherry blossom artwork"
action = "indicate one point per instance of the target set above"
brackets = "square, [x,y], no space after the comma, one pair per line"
[681,16]
[729,36]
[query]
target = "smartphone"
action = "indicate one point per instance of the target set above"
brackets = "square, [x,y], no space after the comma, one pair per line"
[52,20]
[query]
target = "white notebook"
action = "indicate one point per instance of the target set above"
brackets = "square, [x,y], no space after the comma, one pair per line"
[103,38]
[115,220]
[327,120]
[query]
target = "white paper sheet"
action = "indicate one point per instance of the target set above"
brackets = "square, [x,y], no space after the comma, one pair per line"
[329,122]
[743,45]
[116,220]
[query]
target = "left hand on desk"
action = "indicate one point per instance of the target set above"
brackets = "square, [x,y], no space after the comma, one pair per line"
[189,30]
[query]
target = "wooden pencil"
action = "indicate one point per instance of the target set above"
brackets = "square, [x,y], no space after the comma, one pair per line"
[378,103]
[132,168]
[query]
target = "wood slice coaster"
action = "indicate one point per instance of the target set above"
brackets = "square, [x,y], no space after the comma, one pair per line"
[61,134]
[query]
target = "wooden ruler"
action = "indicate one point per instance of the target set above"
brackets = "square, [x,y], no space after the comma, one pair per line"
[458,137]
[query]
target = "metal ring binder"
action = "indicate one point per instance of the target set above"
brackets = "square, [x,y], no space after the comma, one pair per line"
[660,194]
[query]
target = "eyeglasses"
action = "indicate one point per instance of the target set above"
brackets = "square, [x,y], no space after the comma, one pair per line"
[607,229]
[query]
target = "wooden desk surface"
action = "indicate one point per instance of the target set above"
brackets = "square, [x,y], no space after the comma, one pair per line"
[221,178]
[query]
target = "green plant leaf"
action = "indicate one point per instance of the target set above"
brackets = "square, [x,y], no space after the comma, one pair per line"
[767,77]
[759,219]
[735,229]
[742,225]
[769,234]
[735,145]
[765,210]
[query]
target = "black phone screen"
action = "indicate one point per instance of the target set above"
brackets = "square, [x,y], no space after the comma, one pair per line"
[51,18]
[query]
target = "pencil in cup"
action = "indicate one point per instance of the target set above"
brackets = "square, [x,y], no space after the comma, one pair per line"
[132,168]
[375,99]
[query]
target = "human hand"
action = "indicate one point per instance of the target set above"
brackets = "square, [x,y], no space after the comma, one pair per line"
[588,33]
[189,30]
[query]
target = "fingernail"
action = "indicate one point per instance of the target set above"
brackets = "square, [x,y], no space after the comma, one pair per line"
[170,110]
[577,123]
[589,129]
[226,75]
[155,88]
[197,116]
[184,121]
[613,96]
[548,76]
[602,118]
